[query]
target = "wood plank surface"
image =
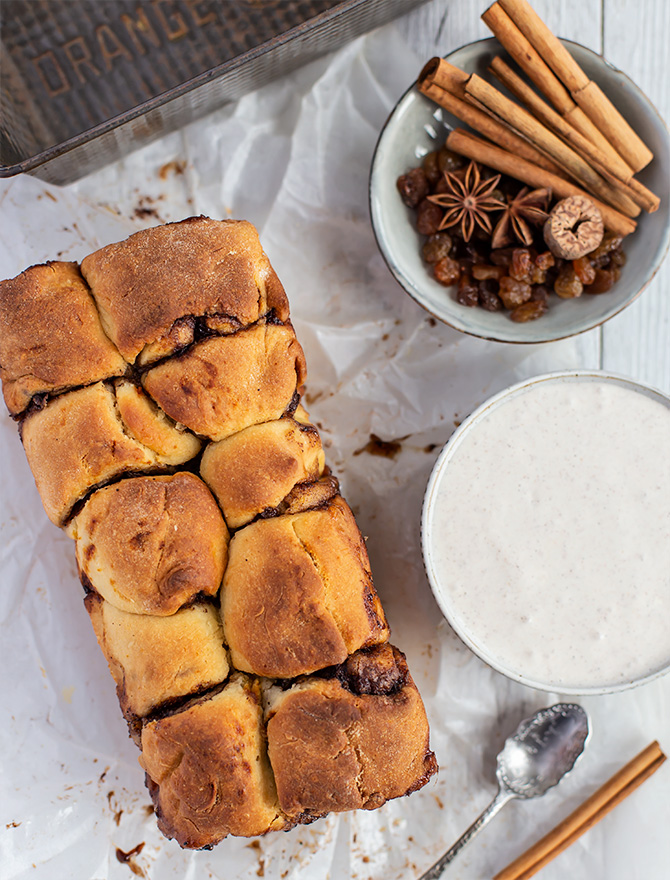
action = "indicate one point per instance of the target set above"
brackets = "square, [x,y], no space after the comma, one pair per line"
[637,342]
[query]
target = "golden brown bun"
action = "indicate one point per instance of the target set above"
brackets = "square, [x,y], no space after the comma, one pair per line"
[297,593]
[227,383]
[193,268]
[78,442]
[255,469]
[149,425]
[157,659]
[51,337]
[151,544]
[336,746]
[208,771]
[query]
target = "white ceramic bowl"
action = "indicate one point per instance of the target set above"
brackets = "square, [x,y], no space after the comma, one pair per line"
[487,635]
[417,125]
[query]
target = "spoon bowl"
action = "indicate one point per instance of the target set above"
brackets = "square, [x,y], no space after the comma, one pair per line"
[542,750]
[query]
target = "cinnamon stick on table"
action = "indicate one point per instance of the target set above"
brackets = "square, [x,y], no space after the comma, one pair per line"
[469,145]
[525,124]
[511,38]
[616,172]
[445,84]
[584,817]
[585,92]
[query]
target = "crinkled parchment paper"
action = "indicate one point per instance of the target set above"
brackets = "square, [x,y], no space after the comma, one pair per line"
[294,159]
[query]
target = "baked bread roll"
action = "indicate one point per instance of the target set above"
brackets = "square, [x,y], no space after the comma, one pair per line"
[362,735]
[79,441]
[191,351]
[297,593]
[253,471]
[145,422]
[150,545]
[226,383]
[155,660]
[207,768]
[51,337]
[196,268]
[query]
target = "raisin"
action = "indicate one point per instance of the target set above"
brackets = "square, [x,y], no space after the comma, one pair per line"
[568,285]
[603,281]
[520,266]
[468,293]
[413,187]
[542,264]
[529,311]
[481,272]
[473,253]
[437,247]
[584,270]
[428,217]
[545,260]
[502,256]
[447,271]
[609,243]
[430,168]
[488,298]
[537,276]
[441,186]
[618,258]
[513,293]
[540,294]
[448,161]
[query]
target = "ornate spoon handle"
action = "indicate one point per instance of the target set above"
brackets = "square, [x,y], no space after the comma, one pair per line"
[496,804]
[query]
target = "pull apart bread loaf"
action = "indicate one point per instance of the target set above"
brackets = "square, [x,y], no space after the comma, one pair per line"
[157,390]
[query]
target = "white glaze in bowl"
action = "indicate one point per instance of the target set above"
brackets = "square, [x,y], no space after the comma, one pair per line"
[546,532]
[417,125]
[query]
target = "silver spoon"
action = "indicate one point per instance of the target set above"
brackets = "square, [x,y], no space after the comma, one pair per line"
[536,757]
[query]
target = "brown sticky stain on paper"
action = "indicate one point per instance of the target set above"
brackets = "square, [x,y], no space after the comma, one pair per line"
[384,448]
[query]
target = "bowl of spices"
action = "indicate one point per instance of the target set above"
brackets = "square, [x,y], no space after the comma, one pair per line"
[499,216]
[546,535]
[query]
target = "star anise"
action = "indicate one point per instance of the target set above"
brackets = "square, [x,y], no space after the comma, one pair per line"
[468,201]
[526,207]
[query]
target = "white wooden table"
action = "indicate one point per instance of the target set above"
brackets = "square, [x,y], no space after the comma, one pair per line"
[373,355]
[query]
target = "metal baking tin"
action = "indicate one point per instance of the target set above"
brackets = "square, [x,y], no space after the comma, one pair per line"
[86,81]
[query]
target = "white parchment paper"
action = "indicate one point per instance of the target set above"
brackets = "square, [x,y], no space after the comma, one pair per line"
[294,159]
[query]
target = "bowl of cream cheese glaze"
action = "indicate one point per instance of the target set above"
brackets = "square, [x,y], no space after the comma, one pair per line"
[546,532]
[417,126]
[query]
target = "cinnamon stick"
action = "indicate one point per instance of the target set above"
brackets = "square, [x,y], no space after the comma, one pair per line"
[439,74]
[469,145]
[525,124]
[511,38]
[585,816]
[436,72]
[444,75]
[616,172]
[583,90]
[546,43]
